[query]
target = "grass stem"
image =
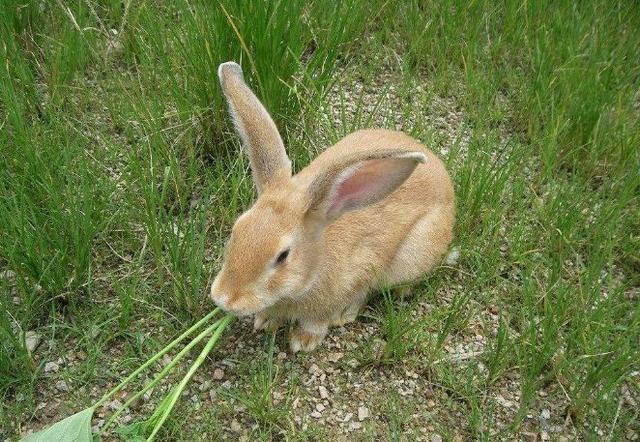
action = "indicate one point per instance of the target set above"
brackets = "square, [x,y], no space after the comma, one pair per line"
[175,394]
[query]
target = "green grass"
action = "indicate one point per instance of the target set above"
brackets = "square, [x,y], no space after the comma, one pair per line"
[120,178]
[256,396]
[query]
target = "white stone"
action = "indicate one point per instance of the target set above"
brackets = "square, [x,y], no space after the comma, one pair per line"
[235,426]
[32,340]
[504,402]
[453,256]
[51,367]
[324,393]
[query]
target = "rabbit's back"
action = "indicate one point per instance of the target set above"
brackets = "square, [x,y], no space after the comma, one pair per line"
[395,240]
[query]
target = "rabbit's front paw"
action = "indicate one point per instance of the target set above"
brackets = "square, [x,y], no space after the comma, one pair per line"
[267,322]
[307,337]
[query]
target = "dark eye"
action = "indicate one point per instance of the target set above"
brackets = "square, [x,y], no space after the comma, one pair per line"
[282,257]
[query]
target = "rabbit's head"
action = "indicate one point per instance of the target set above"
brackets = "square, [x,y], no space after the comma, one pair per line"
[275,251]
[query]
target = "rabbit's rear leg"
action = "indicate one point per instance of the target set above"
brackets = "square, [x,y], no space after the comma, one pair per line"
[423,247]
[307,335]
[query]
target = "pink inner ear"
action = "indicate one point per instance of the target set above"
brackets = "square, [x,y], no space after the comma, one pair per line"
[359,186]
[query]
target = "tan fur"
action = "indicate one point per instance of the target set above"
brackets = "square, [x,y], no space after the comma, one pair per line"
[269,163]
[394,235]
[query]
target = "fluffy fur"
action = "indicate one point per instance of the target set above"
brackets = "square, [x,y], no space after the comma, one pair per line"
[375,208]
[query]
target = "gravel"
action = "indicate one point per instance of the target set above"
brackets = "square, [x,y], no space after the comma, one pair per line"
[51,367]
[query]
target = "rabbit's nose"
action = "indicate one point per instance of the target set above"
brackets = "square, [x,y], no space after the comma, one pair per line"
[227,303]
[221,299]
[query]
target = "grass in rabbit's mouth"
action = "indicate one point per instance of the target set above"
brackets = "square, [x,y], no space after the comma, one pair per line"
[77,428]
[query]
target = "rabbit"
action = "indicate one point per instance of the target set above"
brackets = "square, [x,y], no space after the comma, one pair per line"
[377,208]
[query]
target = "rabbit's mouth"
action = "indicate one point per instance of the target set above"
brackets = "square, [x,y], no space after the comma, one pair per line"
[238,306]
[244,304]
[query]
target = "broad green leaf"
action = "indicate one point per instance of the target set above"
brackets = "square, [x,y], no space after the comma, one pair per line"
[135,432]
[76,428]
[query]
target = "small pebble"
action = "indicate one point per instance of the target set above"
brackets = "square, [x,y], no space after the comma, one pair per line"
[324,393]
[114,404]
[32,340]
[51,367]
[452,257]
[504,402]
[98,425]
[235,426]
[363,413]
[218,374]
[334,357]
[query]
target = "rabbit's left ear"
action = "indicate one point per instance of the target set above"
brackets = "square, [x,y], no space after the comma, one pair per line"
[360,181]
[260,138]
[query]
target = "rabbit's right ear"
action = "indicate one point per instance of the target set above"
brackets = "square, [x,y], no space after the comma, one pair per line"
[359,181]
[260,137]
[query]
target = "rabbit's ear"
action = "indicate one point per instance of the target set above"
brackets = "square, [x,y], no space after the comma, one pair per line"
[260,137]
[359,182]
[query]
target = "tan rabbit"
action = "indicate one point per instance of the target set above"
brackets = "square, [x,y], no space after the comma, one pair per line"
[376,208]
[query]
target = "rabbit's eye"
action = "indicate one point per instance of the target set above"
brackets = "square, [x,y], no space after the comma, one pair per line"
[282,257]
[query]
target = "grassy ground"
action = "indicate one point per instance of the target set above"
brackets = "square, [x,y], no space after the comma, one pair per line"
[121,177]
